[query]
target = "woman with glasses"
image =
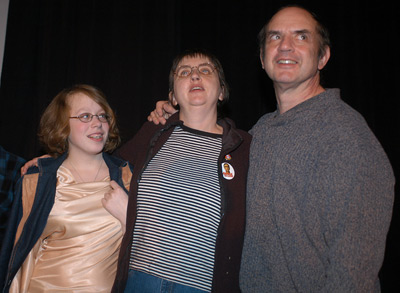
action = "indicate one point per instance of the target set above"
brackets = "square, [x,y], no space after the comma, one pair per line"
[62,235]
[185,221]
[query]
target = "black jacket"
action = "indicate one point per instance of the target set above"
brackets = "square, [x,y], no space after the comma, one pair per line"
[235,143]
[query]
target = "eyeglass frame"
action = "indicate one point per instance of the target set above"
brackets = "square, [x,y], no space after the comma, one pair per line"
[107,117]
[214,68]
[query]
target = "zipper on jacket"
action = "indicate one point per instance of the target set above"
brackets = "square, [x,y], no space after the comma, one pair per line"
[223,197]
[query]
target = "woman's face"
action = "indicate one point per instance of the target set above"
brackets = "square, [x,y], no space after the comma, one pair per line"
[196,89]
[86,138]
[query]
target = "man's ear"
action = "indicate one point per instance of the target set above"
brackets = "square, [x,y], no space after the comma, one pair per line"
[262,60]
[324,59]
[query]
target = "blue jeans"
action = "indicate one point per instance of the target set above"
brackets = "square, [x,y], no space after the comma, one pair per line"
[144,283]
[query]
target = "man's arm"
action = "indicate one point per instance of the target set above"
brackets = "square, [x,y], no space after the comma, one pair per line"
[361,194]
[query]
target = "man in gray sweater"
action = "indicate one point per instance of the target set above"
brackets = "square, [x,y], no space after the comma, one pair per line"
[320,187]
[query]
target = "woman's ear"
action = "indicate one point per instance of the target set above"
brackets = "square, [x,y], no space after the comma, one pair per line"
[222,94]
[172,99]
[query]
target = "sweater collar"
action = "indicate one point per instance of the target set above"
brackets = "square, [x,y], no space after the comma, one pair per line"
[306,108]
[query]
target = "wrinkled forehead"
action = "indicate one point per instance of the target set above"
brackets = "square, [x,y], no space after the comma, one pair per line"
[292,19]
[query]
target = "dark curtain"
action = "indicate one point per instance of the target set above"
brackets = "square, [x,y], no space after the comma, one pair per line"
[126,48]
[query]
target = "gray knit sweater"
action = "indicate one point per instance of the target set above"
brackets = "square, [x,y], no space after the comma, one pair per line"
[319,201]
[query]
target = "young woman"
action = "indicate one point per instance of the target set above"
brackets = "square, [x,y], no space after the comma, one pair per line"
[61,234]
[185,220]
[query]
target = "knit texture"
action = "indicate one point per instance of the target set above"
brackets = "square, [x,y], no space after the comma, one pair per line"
[319,201]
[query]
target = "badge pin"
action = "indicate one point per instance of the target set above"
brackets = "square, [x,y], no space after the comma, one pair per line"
[228,157]
[227,171]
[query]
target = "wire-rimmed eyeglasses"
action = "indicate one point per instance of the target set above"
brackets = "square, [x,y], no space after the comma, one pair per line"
[186,70]
[87,117]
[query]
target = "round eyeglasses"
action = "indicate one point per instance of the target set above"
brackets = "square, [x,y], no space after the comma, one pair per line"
[186,70]
[87,117]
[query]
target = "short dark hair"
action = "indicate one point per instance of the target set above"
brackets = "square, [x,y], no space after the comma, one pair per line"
[324,40]
[54,124]
[192,53]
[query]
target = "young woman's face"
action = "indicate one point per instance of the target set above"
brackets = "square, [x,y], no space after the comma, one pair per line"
[86,138]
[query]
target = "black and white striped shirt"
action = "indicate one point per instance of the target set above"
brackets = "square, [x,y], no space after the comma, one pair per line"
[178,210]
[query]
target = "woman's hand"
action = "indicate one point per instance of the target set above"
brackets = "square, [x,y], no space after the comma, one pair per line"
[161,113]
[116,203]
[31,163]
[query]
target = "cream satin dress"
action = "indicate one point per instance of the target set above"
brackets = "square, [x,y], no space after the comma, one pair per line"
[79,247]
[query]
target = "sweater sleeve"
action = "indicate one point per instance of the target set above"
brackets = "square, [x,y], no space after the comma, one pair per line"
[359,185]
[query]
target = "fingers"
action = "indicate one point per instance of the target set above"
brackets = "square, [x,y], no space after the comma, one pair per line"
[23,170]
[161,113]
[115,202]
[107,197]
[114,185]
[160,118]
[31,163]
[153,117]
[107,200]
[156,118]
[168,110]
[160,108]
[112,193]
[25,167]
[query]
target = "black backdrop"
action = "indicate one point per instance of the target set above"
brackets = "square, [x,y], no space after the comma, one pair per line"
[126,48]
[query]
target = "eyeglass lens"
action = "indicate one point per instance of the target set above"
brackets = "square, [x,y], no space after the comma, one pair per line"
[185,70]
[87,117]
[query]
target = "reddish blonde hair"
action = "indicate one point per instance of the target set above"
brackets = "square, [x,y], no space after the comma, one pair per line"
[54,124]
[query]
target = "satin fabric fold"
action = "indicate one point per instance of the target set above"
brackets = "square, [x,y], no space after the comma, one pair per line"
[78,249]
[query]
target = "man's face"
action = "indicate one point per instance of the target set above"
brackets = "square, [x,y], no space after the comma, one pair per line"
[291,49]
